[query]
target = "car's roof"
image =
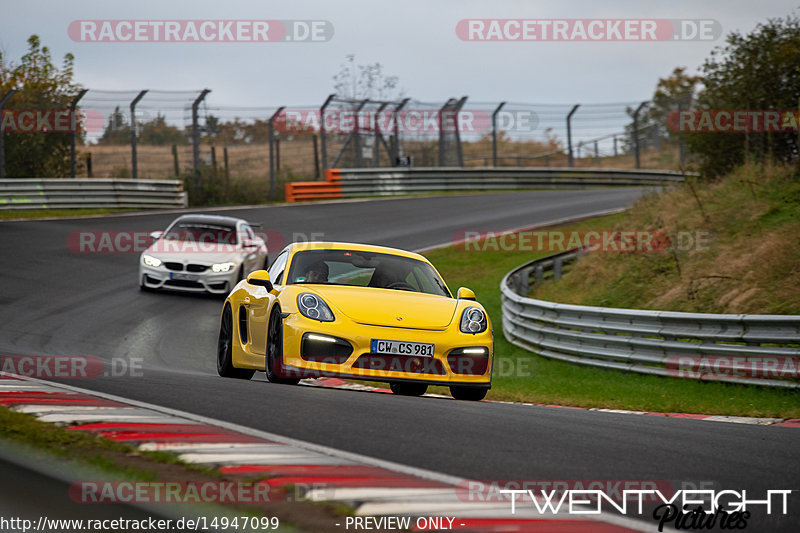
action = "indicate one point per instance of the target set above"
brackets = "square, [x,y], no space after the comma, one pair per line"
[320,245]
[208,219]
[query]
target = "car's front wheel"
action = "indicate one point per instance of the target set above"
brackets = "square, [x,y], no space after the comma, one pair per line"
[225,366]
[275,350]
[473,394]
[408,389]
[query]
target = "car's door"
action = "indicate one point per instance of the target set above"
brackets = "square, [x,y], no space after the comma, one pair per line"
[261,303]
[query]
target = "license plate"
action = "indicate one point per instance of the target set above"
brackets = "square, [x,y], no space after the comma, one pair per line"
[401,348]
[186,277]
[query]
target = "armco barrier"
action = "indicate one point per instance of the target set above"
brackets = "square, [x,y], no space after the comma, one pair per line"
[754,349]
[350,183]
[18,194]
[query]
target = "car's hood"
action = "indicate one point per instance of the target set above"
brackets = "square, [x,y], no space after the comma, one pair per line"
[207,254]
[389,307]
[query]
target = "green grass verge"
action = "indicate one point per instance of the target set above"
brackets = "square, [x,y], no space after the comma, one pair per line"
[78,446]
[60,213]
[522,376]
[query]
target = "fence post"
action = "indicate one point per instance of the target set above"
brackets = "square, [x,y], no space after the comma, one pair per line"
[615,146]
[3,101]
[134,166]
[176,168]
[316,157]
[636,132]
[196,139]
[596,155]
[396,147]
[357,132]
[681,144]
[376,152]
[72,130]
[459,152]
[570,160]
[494,133]
[442,157]
[322,131]
[271,136]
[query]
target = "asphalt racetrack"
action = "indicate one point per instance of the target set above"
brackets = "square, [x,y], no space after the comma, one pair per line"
[59,302]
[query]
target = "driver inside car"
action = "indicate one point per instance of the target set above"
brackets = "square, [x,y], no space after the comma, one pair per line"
[317,273]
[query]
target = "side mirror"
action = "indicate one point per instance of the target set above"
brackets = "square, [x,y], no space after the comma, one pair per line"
[465,294]
[260,278]
[248,244]
[155,235]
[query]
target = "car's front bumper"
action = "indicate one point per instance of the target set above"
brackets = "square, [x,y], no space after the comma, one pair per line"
[211,282]
[447,366]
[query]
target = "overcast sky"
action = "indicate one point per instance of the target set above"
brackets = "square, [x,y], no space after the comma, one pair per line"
[415,40]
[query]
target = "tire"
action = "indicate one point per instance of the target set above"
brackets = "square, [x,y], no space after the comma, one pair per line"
[225,349]
[275,350]
[472,394]
[408,389]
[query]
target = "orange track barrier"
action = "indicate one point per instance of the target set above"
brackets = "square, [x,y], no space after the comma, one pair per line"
[299,191]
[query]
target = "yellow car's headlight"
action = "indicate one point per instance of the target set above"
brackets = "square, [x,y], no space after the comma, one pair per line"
[473,320]
[149,260]
[311,306]
[223,267]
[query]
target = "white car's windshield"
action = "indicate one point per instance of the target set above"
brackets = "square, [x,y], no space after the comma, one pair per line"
[365,269]
[206,233]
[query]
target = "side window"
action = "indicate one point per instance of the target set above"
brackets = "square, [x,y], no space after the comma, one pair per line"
[277,268]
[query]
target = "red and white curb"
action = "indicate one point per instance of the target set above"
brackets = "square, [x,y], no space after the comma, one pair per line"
[373,487]
[335,383]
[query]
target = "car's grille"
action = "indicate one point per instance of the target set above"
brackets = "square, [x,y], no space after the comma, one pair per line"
[184,283]
[177,267]
[399,363]
[196,268]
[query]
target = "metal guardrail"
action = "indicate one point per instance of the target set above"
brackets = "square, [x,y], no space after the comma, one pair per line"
[752,349]
[350,183]
[19,194]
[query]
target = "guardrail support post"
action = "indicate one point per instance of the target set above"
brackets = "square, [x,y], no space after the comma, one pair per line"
[271,136]
[570,161]
[323,147]
[196,139]
[134,159]
[636,132]
[494,133]
[557,264]
[72,130]
[3,101]
[538,273]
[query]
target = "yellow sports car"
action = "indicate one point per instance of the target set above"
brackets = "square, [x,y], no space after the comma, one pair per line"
[356,311]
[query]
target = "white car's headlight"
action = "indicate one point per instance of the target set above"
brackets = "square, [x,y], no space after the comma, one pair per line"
[223,267]
[473,320]
[311,306]
[151,261]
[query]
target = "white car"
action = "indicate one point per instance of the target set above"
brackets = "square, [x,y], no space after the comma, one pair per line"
[201,253]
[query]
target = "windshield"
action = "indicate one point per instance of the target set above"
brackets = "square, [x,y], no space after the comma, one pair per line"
[205,233]
[365,269]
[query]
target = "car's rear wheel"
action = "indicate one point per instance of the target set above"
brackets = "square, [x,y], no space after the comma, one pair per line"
[408,389]
[473,394]
[275,350]
[225,366]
